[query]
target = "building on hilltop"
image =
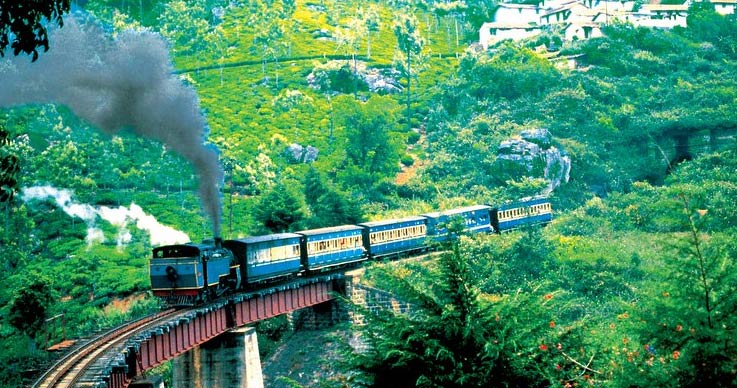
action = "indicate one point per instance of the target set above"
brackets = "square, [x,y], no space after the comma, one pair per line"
[584,19]
[724,7]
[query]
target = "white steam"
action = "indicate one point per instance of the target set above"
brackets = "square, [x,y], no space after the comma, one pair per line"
[127,82]
[121,217]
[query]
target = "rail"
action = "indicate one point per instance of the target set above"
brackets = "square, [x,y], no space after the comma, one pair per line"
[67,371]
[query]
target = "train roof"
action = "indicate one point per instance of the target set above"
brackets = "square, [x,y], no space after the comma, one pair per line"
[328,230]
[393,221]
[268,237]
[452,212]
[524,202]
[179,250]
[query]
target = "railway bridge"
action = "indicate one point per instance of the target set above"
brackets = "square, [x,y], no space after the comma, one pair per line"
[308,300]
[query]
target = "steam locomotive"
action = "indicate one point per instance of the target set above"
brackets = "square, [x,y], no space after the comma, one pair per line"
[187,274]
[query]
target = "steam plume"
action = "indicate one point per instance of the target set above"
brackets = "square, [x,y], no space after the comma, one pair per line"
[120,217]
[114,84]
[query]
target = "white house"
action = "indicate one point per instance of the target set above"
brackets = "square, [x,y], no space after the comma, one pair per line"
[724,7]
[493,32]
[582,30]
[662,15]
[563,14]
[517,13]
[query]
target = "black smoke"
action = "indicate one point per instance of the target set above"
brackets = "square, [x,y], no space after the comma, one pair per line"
[125,82]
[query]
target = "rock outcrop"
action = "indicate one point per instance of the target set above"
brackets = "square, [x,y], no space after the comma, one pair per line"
[534,155]
[299,154]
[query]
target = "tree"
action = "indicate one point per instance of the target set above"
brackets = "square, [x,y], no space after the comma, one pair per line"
[451,338]
[271,22]
[453,9]
[329,207]
[372,21]
[24,23]
[371,153]
[185,24]
[410,43]
[9,167]
[280,209]
[348,38]
[29,308]
[480,12]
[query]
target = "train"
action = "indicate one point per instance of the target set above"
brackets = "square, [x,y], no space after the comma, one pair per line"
[192,273]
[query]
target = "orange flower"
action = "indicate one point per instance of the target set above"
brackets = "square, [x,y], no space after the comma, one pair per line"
[676,354]
[552,324]
[548,296]
[543,347]
[679,327]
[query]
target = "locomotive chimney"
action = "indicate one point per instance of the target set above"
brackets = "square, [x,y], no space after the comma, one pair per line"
[218,242]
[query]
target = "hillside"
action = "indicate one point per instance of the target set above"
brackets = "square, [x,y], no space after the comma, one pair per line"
[306,105]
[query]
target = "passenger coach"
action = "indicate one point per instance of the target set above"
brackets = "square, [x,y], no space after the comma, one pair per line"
[394,237]
[531,211]
[331,247]
[477,219]
[267,257]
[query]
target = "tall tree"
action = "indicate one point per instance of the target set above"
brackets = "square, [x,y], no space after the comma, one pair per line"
[450,338]
[25,23]
[29,308]
[9,167]
[410,42]
[280,209]
[372,19]
[329,207]
[371,152]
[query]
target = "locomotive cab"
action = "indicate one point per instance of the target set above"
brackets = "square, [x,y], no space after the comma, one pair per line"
[185,274]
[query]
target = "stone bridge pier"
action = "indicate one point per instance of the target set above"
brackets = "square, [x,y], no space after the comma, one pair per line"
[230,360]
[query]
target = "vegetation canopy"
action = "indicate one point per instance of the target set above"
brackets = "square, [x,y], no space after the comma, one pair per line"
[338,112]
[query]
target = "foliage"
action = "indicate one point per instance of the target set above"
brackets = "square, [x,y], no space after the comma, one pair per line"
[9,167]
[22,25]
[280,209]
[328,206]
[29,308]
[581,303]
[457,334]
[372,154]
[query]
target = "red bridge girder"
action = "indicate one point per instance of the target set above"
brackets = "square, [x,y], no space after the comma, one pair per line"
[174,338]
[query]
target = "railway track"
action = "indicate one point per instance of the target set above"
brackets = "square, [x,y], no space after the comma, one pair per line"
[69,371]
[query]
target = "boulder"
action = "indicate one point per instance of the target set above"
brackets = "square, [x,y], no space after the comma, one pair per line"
[299,154]
[533,155]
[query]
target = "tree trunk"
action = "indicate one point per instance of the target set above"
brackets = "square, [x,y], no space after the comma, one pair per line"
[409,90]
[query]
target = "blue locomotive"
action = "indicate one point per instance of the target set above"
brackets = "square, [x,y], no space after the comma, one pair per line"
[192,273]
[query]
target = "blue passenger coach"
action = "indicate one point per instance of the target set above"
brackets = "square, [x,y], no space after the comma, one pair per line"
[515,215]
[477,219]
[333,246]
[267,257]
[394,237]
